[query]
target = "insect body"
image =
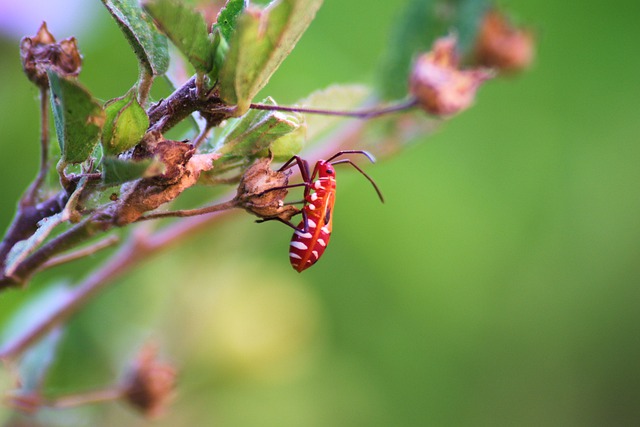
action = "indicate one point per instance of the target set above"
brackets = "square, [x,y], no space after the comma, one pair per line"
[312,234]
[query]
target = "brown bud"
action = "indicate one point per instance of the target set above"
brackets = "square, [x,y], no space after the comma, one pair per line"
[502,46]
[260,192]
[150,384]
[440,87]
[41,53]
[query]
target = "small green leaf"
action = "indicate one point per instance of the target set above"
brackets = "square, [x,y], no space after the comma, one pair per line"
[126,123]
[187,29]
[262,40]
[148,44]
[255,131]
[35,362]
[337,98]
[116,171]
[22,249]
[78,118]
[252,135]
[229,15]
[287,146]
[221,49]
[421,23]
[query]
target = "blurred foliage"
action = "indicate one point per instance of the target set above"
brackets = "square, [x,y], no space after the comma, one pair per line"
[498,285]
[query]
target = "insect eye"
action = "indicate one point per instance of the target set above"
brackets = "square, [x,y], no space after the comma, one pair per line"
[329,171]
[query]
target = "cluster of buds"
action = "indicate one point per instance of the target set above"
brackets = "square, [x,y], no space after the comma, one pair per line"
[439,85]
[42,53]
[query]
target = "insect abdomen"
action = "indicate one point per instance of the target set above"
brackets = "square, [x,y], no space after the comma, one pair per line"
[307,247]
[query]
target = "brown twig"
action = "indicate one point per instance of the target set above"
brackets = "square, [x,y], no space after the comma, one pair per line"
[32,193]
[80,253]
[87,398]
[191,212]
[364,114]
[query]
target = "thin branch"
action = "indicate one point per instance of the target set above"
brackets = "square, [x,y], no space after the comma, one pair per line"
[202,136]
[91,397]
[32,193]
[364,114]
[80,253]
[191,212]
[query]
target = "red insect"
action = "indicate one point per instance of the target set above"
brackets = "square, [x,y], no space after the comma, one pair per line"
[311,236]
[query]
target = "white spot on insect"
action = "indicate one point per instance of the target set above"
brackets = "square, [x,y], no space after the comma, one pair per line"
[311,206]
[326,230]
[315,254]
[311,223]
[321,242]
[314,197]
[303,235]
[318,185]
[299,245]
[294,255]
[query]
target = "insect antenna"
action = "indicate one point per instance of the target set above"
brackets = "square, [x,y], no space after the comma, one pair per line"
[343,152]
[362,172]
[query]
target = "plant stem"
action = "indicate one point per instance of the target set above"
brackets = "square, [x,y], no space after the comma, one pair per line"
[191,212]
[32,193]
[95,396]
[80,253]
[364,114]
[202,136]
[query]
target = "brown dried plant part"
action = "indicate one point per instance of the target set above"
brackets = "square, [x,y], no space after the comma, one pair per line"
[262,192]
[150,384]
[182,169]
[41,53]
[439,85]
[503,46]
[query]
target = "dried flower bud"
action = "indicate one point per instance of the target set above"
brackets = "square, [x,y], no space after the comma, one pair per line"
[150,384]
[41,53]
[503,46]
[440,87]
[260,192]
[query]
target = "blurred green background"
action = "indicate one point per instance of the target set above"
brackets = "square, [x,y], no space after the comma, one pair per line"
[497,286]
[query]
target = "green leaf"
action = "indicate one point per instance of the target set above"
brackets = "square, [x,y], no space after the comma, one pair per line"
[421,23]
[35,362]
[253,134]
[229,15]
[255,131]
[78,118]
[117,171]
[337,98]
[22,249]
[287,146]
[187,29]
[126,123]
[148,44]
[262,40]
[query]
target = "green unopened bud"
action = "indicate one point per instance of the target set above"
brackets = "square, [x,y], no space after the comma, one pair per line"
[126,124]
